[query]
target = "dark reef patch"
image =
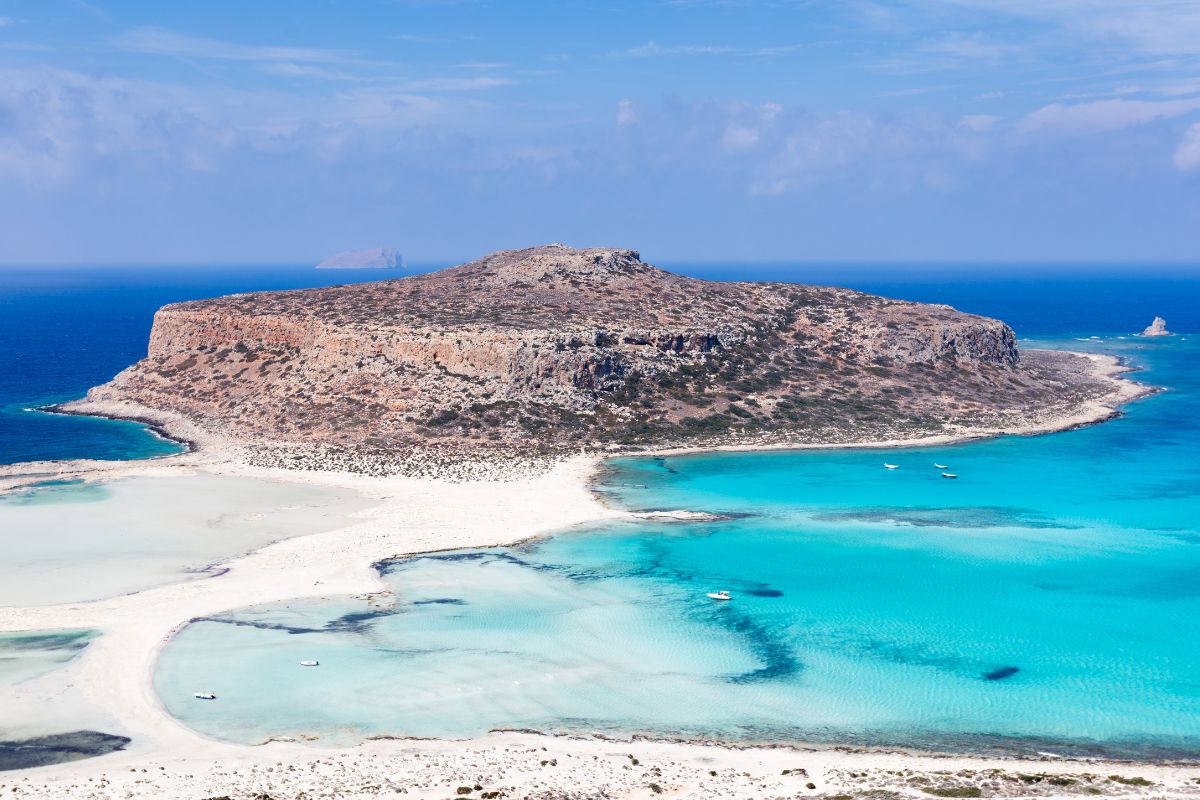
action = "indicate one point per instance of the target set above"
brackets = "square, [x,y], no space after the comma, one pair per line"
[963,517]
[778,660]
[1001,673]
[354,622]
[58,748]
[70,641]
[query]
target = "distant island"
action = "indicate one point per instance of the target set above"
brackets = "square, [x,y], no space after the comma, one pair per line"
[374,258]
[551,349]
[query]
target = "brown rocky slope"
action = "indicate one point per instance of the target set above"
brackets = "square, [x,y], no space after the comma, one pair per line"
[554,347]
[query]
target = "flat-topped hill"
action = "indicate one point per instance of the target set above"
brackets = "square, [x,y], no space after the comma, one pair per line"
[555,347]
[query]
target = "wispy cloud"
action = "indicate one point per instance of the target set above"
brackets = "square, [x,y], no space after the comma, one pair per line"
[165,42]
[1102,116]
[6,21]
[288,69]
[303,63]
[973,46]
[1187,156]
[652,48]
[452,84]
[1150,26]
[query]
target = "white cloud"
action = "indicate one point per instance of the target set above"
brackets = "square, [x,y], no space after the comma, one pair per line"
[652,48]
[1187,156]
[973,46]
[456,84]
[740,139]
[161,41]
[626,112]
[1150,26]
[55,125]
[288,69]
[978,122]
[770,149]
[1102,116]
[6,21]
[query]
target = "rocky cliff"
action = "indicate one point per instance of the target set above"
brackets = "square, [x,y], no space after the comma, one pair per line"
[554,347]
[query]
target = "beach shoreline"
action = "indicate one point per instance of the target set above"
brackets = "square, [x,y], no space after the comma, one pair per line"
[413,516]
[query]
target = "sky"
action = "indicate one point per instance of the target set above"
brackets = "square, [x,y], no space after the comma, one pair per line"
[138,131]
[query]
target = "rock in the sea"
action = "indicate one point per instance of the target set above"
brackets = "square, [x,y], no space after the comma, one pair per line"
[375,258]
[1157,328]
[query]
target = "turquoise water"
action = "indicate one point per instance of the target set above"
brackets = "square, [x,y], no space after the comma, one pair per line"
[1047,600]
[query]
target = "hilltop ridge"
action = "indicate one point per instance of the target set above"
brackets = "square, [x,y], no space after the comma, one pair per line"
[554,347]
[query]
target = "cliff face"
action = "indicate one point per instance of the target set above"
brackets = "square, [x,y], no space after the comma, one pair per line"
[571,347]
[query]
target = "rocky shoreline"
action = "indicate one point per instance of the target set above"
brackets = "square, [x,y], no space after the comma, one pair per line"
[1108,374]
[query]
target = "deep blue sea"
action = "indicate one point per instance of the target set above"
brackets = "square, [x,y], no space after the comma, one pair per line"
[1046,601]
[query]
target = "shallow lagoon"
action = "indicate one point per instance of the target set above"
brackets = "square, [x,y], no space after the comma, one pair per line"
[1047,600]
[71,541]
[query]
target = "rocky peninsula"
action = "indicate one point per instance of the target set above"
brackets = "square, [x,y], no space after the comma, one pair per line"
[551,349]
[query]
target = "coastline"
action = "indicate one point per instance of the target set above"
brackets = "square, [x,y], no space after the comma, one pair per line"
[156,427]
[415,516]
[1089,412]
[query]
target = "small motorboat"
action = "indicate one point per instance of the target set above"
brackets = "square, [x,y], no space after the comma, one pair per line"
[938,466]
[204,696]
[312,662]
[722,595]
[949,475]
[890,466]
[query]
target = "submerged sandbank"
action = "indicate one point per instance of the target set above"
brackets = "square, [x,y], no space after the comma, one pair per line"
[129,534]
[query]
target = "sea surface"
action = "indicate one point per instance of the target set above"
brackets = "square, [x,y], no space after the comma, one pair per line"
[1048,600]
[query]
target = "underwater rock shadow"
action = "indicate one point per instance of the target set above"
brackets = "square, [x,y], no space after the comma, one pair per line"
[58,748]
[954,517]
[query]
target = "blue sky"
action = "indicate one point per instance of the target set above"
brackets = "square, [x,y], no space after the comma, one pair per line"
[814,130]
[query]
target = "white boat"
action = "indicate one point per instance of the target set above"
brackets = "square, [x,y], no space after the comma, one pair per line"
[938,466]
[204,696]
[310,663]
[949,475]
[890,466]
[722,595]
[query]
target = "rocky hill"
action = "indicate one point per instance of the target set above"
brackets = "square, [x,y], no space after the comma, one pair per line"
[553,347]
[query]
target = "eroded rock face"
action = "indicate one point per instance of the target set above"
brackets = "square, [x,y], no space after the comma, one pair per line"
[570,347]
[1156,328]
